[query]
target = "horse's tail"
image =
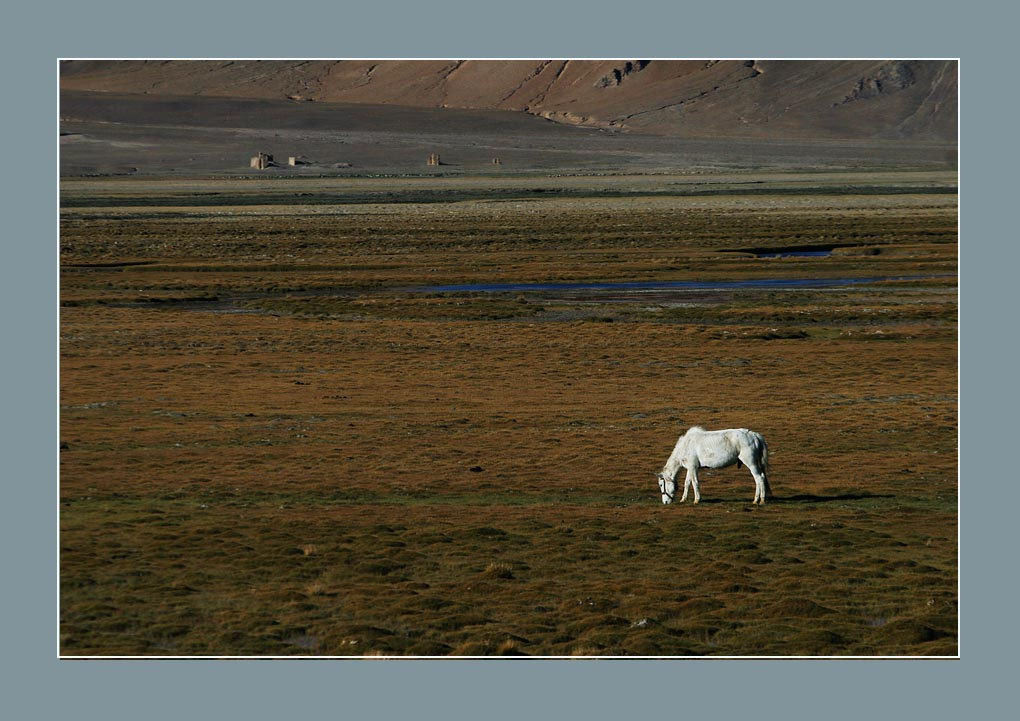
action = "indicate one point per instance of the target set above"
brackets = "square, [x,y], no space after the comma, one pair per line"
[765,464]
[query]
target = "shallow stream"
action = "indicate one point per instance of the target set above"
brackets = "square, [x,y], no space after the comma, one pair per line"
[661,285]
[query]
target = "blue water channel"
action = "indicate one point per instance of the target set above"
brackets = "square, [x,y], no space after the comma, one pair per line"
[796,254]
[662,285]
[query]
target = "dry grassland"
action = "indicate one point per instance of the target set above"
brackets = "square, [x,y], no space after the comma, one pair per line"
[268,447]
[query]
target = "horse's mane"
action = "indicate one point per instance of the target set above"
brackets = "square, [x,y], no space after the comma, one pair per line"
[694,428]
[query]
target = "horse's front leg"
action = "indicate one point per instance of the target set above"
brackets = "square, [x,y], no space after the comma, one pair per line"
[692,479]
[687,486]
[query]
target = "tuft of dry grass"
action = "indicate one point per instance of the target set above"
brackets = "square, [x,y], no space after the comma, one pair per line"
[509,647]
[499,569]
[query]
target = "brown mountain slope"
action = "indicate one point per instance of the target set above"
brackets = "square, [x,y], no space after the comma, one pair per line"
[866,99]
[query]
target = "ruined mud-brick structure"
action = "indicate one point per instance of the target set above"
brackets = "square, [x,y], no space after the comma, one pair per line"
[497,161]
[434,159]
[292,160]
[261,161]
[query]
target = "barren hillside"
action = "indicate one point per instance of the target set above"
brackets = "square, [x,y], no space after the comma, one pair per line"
[844,100]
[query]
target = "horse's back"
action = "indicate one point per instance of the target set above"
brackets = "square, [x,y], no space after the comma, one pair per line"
[722,446]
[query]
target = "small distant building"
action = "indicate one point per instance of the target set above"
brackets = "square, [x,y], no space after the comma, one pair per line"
[262,161]
[497,161]
[292,160]
[434,159]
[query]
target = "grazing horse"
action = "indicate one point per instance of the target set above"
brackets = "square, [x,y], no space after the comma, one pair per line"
[698,448]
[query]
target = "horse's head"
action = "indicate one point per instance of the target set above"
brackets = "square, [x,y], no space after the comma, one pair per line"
[667,487]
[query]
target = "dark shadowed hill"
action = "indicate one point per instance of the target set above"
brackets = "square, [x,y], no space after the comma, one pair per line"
[777,100]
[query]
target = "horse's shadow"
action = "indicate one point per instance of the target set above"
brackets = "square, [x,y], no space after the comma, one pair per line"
[810,498]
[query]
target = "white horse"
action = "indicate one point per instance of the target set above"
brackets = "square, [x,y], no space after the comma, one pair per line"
[698,448]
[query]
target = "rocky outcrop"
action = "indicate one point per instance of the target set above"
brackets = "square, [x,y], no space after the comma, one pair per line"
[616,75]
[890,78]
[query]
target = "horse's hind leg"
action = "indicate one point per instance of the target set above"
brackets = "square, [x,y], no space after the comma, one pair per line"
[759,478]
[757,488]
[760,485]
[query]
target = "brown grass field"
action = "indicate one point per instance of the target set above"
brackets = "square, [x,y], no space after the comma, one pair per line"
[269,446]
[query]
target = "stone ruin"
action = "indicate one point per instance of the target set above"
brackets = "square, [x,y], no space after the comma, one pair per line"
[262,161]
[433,159]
